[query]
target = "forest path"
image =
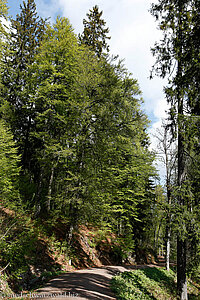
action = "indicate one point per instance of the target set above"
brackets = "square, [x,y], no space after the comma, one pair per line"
[87,284]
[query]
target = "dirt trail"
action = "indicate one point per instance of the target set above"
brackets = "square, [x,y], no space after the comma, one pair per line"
[88,284]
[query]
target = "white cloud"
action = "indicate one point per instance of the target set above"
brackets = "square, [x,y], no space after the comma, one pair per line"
[48,9]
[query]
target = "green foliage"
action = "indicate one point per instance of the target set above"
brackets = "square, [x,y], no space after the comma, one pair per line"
[3,18]
[5,290]
[149,283]
[123,247]
[81,134]
[178,58]
[30,256]
[86,131]
[3,15]
[9,161]
[18,241]
[95,34]
[59,112]
[155,233]
[78,123]
[3,8]
[19,50]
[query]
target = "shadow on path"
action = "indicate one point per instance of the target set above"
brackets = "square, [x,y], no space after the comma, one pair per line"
[91,284]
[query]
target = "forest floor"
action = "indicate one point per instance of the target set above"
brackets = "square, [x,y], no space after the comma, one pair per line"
[90,284]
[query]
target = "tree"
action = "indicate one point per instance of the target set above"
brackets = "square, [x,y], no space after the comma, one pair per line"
[19,53]
[91,132]
[95,34]
[56,70]
[9,161]
[193,255]
[176,20]
[167,150]
[119,140]
[76,116]
[3,15]
[3,8]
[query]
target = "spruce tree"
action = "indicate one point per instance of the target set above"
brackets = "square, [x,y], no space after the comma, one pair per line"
[174,57]
[3,16]
[19,54]
[95,34]
[9,159]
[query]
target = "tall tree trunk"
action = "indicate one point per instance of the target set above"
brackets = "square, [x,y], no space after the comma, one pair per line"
[50,189]
[168,225]
[158,234]
[37,196]
[181,241]
[167,255]
[73,212]
[25,158]
[181,269]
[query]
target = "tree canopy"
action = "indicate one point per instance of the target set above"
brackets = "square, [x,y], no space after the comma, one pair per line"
[74,142]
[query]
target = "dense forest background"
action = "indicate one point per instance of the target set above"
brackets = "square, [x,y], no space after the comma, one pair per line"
[74,147]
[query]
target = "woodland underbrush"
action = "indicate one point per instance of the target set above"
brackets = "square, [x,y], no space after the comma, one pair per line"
[34,250]
[150,283]
[28,255]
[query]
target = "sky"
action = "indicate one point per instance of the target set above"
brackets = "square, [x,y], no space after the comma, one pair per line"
[133,33]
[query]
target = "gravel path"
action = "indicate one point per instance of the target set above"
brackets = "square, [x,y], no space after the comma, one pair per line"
[88,284]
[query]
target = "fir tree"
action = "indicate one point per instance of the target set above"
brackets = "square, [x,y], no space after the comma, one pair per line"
[95,34]
[175,53]
[3,17]
[22,44]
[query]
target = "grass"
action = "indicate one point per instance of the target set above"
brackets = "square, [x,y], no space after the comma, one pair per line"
[148,283]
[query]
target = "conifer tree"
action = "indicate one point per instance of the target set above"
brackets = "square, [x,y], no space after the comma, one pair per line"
[175,53]
[3,16]
[95,34]
[19,52]
[9,159]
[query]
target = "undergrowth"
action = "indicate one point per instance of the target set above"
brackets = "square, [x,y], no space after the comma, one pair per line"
[28,256]
[148,283]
